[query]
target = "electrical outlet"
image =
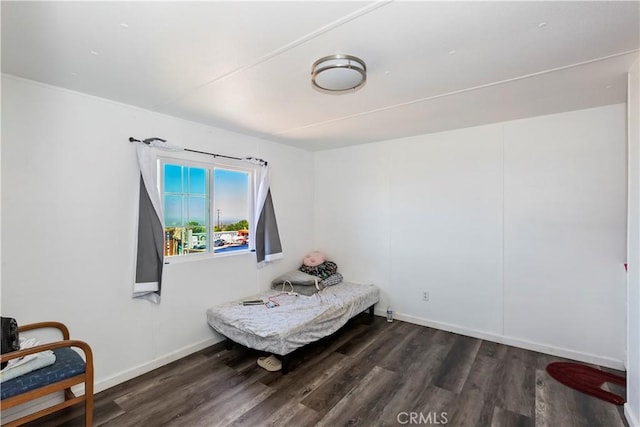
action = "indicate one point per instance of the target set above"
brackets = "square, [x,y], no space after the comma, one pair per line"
[425,295]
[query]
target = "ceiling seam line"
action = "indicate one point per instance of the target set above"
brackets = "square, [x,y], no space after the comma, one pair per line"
[300,41]
[456,92]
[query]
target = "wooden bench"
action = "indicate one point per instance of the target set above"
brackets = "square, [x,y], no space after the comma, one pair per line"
[68,370]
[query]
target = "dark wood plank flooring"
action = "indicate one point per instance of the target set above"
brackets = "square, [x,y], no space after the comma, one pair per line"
[374,374]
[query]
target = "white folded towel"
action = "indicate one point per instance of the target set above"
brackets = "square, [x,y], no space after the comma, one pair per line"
[26,364]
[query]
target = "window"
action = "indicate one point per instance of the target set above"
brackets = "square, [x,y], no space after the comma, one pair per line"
[207,207]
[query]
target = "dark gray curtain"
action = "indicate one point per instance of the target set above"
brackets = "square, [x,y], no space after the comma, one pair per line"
[266,237]
[150,248]
[268,247]
[150,258]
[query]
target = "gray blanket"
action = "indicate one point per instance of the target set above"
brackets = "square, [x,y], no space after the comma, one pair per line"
[296,321]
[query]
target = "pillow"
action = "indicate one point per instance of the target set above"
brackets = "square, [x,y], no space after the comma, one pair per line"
[324,270]
[296,277]
[331,280]
[313,259]
[299,289]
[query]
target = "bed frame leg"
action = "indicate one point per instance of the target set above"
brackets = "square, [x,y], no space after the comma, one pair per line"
[285,364]
[370,319]
[228,344]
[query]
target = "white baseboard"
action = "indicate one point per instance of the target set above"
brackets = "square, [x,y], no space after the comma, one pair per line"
[50,400]
[516,342]
[35,405]
[136,371]
[632,418]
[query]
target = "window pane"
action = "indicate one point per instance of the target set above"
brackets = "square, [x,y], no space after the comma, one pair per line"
[197,211]
[198,239]
[185,179]
[172,178]
[232,204]
[197,181]
[188,200]
[173,211]
[231,196]
[184,240]
[173,238]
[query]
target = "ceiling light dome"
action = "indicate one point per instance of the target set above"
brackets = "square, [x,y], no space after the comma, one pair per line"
[338,73]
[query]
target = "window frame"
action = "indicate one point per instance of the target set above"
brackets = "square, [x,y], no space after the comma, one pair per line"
[185,159]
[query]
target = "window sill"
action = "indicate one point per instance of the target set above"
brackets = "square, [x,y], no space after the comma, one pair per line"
[179,259]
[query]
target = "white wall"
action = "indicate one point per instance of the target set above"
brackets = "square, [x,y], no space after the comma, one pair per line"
[516,230]
[565,230]
[69,214]
[632,407]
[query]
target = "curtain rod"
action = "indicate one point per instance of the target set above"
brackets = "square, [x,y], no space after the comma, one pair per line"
[148,141]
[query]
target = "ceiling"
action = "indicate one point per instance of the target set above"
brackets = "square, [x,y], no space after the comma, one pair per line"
[245,66]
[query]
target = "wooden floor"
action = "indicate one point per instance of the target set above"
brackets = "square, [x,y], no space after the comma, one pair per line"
[365,375]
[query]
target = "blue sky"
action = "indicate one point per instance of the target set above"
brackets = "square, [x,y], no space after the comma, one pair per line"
[231,193]
[189,188]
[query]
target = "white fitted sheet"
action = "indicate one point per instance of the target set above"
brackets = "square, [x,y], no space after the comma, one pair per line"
[297,321]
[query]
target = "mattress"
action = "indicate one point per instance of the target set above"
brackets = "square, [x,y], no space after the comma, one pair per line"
[296,321]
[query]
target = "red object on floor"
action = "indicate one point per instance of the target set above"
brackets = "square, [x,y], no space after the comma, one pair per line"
[587,380]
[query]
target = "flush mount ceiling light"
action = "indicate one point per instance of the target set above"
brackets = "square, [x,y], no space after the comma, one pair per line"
[338,73]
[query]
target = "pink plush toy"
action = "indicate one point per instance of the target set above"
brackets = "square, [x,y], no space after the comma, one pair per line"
[313,259]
